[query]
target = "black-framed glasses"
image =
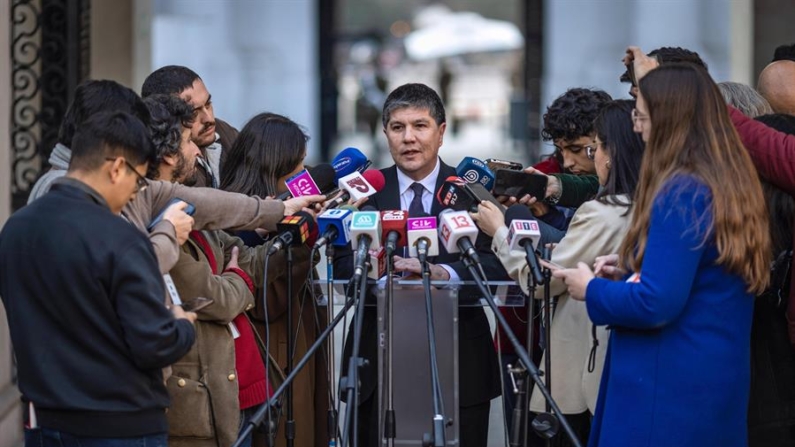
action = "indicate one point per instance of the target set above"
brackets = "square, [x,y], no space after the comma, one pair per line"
[140,180]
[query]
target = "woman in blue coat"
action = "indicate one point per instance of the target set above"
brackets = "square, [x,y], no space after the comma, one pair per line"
[678,362]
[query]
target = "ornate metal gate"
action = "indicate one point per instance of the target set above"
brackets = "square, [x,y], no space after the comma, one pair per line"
[50,56]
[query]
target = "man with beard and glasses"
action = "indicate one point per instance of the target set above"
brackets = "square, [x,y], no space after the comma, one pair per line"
[210,134]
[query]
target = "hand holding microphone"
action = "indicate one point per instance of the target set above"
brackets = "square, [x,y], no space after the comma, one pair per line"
[489,218]
[357,187]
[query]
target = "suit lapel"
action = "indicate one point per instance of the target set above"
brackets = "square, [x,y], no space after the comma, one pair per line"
[389,197]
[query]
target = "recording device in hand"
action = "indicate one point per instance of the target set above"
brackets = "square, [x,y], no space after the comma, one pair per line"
[348,161]
[457,231]
[334,227]
[189,210]
[294,230]
[358,186]
[393,229]
[523,235]
[320,179]
[421,237]
[518,184]
[459,195]
[196,304]
[495,164]
[475,171]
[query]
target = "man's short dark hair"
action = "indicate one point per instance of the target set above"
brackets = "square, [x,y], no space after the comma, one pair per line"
[416,96]
[168,80]
[170,115]
[109,135]
[666,55]
[92,97]
[572,114]
[784,53]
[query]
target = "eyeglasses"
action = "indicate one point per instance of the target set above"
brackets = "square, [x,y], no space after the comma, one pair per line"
[637,116]
[590,151]
[140,180]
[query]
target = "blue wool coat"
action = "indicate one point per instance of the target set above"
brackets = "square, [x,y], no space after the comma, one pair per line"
[677,371]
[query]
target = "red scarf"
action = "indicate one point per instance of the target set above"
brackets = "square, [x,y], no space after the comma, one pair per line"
[253,386]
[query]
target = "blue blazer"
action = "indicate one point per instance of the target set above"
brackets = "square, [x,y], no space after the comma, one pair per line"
[677,371]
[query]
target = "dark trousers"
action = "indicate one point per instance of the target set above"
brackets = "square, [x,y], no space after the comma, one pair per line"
[44,437]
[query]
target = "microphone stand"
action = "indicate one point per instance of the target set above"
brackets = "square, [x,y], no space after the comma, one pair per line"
[289,424]
[519,433]
[259,416]
[547,429]
[437,437]
[523,356]
[332,411]
[351,383]
[389,426]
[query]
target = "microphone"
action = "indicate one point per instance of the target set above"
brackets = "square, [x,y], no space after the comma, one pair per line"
[377,264]
[293,230]
[458,195]
[319,179]
[348,161]
[334,227]
[524,234]
[421,235]
[475,171]
[358,186]
[393,230]
[456,231]
[365,235]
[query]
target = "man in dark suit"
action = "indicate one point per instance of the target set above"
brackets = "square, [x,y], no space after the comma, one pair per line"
[414,125]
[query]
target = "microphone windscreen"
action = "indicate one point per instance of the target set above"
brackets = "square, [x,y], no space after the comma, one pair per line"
[348,161]
[517,212]
[324,176]
[375,178]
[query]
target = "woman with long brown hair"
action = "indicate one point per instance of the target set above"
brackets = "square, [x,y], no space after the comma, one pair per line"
[698,251]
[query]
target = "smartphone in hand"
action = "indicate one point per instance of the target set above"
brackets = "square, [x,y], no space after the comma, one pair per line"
[189,210]
[196,304]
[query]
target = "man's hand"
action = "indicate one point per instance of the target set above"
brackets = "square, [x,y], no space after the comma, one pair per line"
[180,314]
[232,264]
[182,222]
[642,64]
[576,279]
[489,218]
[412,265]
[303,203]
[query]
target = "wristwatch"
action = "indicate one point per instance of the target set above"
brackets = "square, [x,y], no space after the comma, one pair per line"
[554,198]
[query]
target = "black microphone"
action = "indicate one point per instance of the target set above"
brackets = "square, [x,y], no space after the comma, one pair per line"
[294,230]
[524,234]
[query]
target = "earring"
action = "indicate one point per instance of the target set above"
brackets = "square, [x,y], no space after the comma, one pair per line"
[607,164]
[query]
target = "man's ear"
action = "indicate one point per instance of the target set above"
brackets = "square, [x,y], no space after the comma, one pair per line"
[170,160]
[116,170]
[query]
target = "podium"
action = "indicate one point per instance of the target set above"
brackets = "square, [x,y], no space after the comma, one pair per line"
[411,373]
[411,377]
